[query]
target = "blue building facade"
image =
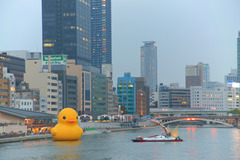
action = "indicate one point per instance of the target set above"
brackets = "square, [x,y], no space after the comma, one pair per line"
[126,90]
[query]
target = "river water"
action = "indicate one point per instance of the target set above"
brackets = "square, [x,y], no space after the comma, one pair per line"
[198,144]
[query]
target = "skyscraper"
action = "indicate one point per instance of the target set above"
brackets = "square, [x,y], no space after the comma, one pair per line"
[197,75]
[101,33]
[66,28]
[149,64]
[238,57]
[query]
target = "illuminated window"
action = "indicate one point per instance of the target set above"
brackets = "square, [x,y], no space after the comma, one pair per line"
[48,45]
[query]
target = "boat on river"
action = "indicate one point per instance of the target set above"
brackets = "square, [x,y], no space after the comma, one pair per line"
[167,137]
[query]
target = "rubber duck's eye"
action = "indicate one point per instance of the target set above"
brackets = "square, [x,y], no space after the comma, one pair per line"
[64,117]
[77,117]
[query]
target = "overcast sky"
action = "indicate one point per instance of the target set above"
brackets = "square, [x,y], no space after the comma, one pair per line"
[186,32]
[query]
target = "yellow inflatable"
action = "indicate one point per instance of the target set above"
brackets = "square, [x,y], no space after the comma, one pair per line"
[67,128]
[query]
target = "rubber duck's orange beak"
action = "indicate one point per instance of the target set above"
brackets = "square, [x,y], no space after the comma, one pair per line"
[71,120]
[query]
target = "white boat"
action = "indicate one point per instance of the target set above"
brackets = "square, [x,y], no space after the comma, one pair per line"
[159,138]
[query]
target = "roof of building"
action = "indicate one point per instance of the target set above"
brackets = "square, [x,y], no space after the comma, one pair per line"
[26,114]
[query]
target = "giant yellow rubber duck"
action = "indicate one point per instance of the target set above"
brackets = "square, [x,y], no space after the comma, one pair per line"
[67,128]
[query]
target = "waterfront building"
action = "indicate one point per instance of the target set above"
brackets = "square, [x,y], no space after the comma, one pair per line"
[66,29]
[76,70]
[149,64]
[179,98]
[60,95]
[24,104]
[45,82]
[87,92]
[238,58]
[141,103]
[232,90]
[4,89]
[143,89]
[99,95]
[176,98]
[115,102]
[58,64]
[208,98]
[110,103]
[197,75]
[24,120]
[72,92]
[101,33]
[23,54]
[23,92]
[230,77]
[163,96]
[126,89]
[12,86]
[14,65]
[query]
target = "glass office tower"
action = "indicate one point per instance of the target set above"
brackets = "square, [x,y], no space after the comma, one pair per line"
[66,29]
[149,64]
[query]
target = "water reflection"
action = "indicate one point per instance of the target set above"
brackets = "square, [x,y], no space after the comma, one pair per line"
[67,150]
[214,133]
[27,144]
[71,155]
[71,144]
[236,143]
[191,133]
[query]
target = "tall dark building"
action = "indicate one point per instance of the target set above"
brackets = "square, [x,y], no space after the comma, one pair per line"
[101,33]
[14,65]
[67,29]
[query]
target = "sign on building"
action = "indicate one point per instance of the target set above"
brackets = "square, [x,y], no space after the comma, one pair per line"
[55,59]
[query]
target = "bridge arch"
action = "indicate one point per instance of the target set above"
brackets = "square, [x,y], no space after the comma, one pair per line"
[198,119]
[85,115]
[118,116]
[104,115]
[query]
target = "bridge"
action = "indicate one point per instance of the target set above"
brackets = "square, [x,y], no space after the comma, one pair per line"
[167,111]
[230,121]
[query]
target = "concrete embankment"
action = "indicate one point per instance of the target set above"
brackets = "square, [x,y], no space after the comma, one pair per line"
[49,136]
[25,138]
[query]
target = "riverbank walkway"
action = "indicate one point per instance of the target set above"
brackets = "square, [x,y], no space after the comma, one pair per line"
[49,136]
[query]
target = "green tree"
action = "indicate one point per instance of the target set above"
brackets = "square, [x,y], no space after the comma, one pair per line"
[235,111]
[123,109]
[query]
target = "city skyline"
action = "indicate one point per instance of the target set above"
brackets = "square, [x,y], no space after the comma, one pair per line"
[202,31]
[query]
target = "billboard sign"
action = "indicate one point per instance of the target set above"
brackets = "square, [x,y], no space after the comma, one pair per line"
[55,59]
